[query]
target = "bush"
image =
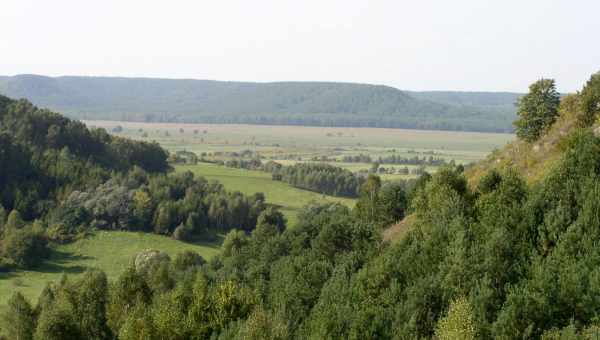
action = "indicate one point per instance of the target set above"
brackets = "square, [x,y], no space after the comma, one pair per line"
[188,259]
[273,217]
[458,323]
[25,247]
[182,233]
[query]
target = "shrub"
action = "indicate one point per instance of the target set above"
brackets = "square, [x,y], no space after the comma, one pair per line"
[458,323]
[25,247]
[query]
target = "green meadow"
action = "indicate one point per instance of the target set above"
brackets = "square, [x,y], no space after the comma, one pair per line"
[286,197]
[111,251]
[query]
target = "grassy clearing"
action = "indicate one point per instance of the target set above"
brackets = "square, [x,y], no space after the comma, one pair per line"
[288,198]
[110,251]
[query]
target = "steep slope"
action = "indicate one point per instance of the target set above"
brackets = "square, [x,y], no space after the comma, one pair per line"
[533,160]
[295,103]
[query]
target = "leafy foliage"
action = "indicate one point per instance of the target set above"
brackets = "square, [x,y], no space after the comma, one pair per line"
[458,323]
[45,156]
[590,101]
[19,318]
[537,110]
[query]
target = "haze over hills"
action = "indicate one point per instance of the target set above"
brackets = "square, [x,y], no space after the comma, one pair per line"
[285,103]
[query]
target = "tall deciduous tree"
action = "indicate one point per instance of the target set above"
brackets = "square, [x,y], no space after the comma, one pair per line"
[537,109]
[367,206]
[89,306]
[393,203]
[18,319]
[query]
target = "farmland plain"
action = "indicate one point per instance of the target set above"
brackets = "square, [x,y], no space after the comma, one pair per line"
[220,137]
[301,144]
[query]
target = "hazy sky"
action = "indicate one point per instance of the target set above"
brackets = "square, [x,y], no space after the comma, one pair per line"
[418,45]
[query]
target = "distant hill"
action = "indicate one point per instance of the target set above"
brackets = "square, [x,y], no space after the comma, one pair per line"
[289,103]
[476,99]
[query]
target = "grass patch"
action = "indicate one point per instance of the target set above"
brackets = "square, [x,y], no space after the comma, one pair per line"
[281,194]
[110,251]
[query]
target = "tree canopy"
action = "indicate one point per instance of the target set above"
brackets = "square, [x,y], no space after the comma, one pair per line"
[537,110]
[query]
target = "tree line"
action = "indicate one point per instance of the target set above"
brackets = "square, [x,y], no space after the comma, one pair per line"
[319,177]
[395,159]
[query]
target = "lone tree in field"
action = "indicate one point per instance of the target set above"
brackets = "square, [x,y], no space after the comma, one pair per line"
[537,110]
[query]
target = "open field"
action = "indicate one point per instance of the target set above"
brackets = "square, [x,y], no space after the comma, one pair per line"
[110,251]
[305,142]
[281,194]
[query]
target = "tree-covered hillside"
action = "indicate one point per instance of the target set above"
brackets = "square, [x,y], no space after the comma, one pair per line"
[287,103]
[59,180]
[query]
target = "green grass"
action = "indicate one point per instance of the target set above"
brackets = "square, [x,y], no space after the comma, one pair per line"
[110,251]
[288,198]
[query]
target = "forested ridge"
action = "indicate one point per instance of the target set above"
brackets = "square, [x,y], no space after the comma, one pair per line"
[280,103]
[499,258]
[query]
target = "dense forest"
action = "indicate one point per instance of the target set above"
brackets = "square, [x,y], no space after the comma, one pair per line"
[501,258]
[282,103]
[59,180]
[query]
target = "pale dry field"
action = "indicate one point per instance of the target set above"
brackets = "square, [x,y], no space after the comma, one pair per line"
[466,146]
